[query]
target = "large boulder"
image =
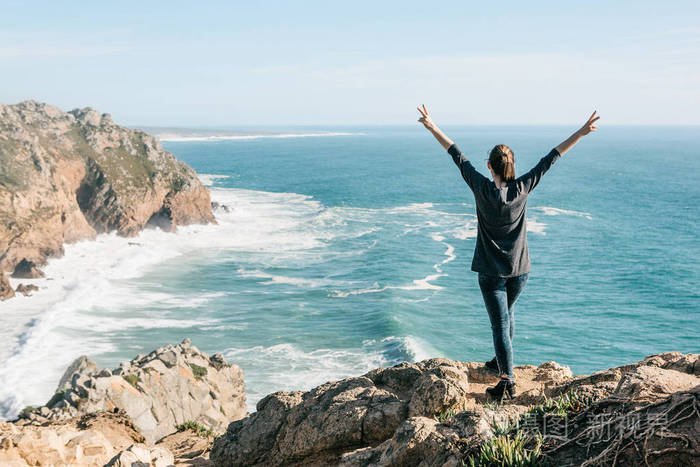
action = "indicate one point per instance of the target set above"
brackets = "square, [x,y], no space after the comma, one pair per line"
[80,366]
[168,387]
[318,426]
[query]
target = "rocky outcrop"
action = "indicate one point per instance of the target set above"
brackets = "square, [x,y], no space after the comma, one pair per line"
[67,176]
[429,413]
[82,441]
[6,290]
[168,387]
[436,413]
[644,381]
[26,289]
[100,438]
[142,455]
[318,426]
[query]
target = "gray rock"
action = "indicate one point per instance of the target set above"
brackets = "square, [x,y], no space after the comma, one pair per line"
[139,455]
[169,357]
[320,424]
[26,289]
[80,366]
[157,397]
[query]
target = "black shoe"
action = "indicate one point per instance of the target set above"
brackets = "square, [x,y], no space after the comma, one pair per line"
[505,389]
[492,365]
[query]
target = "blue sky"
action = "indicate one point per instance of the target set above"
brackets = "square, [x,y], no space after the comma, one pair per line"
[324,63]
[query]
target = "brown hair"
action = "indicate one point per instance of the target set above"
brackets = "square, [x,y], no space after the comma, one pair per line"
[503,162]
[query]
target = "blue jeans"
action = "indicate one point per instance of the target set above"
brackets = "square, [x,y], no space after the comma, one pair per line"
[500,294]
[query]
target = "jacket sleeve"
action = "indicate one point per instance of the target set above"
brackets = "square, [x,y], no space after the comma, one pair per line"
[530,180]
[470,175]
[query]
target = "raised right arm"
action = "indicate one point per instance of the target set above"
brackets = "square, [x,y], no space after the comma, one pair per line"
[587,127]
[530,180]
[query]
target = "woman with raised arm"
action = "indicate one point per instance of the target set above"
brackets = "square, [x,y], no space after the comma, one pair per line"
[501,255]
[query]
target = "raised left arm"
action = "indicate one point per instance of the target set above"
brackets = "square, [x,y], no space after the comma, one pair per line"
[473,178]
[428,123]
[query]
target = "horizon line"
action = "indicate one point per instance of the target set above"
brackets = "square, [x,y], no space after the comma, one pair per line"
[232,127]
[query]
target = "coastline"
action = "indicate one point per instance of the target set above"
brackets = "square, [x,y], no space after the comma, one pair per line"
[123,275]
[434,411]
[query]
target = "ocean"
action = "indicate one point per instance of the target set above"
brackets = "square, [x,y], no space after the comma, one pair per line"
[345,249]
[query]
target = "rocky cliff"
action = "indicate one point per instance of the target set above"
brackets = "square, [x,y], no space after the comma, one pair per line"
[430,413]
[435,413]
[67,176]
[168,387]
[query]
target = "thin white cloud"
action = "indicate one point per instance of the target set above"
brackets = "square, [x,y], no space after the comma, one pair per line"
[274,69]
[43,50]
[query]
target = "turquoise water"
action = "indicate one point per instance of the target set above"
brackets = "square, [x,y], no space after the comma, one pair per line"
[347,252]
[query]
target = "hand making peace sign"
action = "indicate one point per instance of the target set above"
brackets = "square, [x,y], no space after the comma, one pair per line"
[425,118]
[590,125]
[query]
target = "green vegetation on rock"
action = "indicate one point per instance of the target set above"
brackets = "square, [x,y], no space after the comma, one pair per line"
[509,451]
[514,444]
[442,417]
[132,379]
[199,372]
[196,427]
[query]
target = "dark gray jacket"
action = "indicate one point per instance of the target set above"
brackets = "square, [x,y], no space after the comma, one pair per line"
[501,240]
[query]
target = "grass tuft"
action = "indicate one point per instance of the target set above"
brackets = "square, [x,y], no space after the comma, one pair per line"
[512,446]
[509,451]
[132,379]
[196,427]
[569,402]
[444,416]
[492,405]
[198,371]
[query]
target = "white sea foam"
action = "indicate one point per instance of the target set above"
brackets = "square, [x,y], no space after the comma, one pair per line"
[289,367]
[87,291]
[210,179]
[105,286]
[535,226]
[175,137]
[297,281]
[417,284]
[550,211]
[464,232]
